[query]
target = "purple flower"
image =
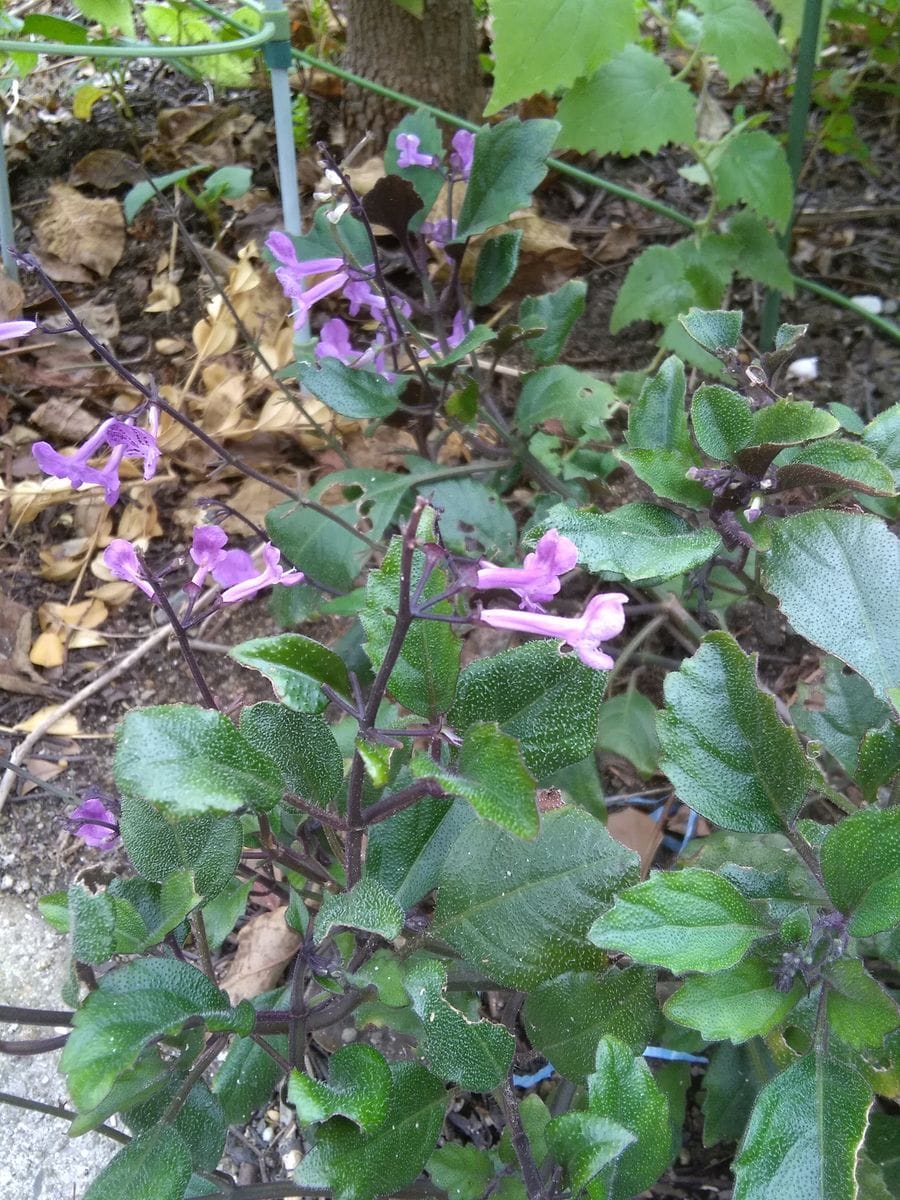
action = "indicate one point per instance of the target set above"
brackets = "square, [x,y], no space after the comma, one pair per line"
[125,441]
[120,558]
[273,573]
[136,443]
[234,567]
[604,618]
[207,550]
[537,580]
[458,330]
[334,341]
[96,824]
[408,154]
[359,292]
[462,153]
[15,329]
[440,232]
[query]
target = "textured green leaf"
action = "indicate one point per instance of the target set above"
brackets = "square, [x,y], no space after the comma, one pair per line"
[145,912]
[358,1087]
[327,552]
[761,866]
[716,330]
[883,1146]
[628,727]
[836,575]
[148,1075]
[566,1017]
[740,37]
[624,1091]
[753,168]
[835,463]
[369,905]
[492,777]
[849,711]
[859,1010]
[555,43]
[639,542]
[756,252]
[406,852]
[789,422]
[686,920]
[200,1121]
[424,678]
[630,104]
[473,517]
[351,391]
[861,867]
[426,180]
[556,312]
[665,281]
[353,1165]
[562,394]
[131,1006]
[209,846]
[736,1004]
[508,164]
[879,759]
[220,915]
[475,1054]
[247,1078]
[585,1143]
[724,748]
[301,745]
[547,701]
[657,420]
[496,266]
[665,471]
[92,923]
[154,1166]
[519,911]
[462,1171]
[297,667]
[190,760]
[883,436]
[732,1082]
[722,420]
[804,1134]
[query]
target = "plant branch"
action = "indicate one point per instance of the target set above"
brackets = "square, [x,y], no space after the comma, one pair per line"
[59,1110]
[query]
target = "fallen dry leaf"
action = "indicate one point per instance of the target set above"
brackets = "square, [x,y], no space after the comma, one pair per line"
[66,726]
[105,169]
[42,770]
[100,224]
[48,650]
[265,946]
[638,831]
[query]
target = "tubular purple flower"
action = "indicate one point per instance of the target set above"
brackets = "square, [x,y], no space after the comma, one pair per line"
[409,155]
[537,580]
[334,341]
[463,152]
[125,441]
[440,232]
[359,292]
[207,550]
[95,824]
[15,329]
[235,567]
[273,573]
[121,560]
[136,443]
[602,619]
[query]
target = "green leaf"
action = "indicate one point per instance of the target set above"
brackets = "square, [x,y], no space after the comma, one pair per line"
[145,912]
[406,852]
[142,193]
[849,711]
[879,759]
[475,1054]
[155,1165]
[585,1144]
[221,915]
[496,266]
[860,1012]
[207,845]
[301,745]
[297,667]
[623,1090]
[462,1171]
[630,104]
[566,1017]
[367,906]
[657,420]
[724,748]
[329,554]
[508,165]
[835,575]
[861,867]
[424,678]
[883,436]
[519,911]
[883,1146]
[353,1165]
[628,727]
[492,777]
[804,1134]
[359,1087]
[148,1075]
[426,180]
[753,168]
[473,517]
[556,312]
[110,14]
[835,463]
[716,330]
[686,920]
[247,1078]
[189,760]
[131,1006]
[756,253]
[736,1004]
[557,43]
[229,183]
[666,473]
[789,422]
[562,394]
[351,391]
[200,1121]
[732,1082]
[722,420]
[547,701]
[92,922]
[740,37]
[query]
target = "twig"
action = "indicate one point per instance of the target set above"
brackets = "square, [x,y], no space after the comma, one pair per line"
[58,1110]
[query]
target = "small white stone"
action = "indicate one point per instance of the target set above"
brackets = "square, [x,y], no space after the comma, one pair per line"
[291,1160]
[872,304]
[803,370]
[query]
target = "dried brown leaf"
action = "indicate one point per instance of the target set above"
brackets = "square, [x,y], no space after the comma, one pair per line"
[100,225]
[265,947]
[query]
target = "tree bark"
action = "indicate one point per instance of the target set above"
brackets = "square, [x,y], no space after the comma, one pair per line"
[434,58]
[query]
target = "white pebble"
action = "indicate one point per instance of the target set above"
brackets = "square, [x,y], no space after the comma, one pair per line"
[803,370]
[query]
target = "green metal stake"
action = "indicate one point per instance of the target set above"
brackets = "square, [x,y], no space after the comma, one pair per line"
[7,233]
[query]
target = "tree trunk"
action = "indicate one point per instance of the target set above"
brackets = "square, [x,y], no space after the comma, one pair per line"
[434,58]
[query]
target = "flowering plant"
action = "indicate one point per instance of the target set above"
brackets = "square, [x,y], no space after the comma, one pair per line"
[433,831]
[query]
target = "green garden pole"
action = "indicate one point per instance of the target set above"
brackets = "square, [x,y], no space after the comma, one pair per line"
[277,54]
